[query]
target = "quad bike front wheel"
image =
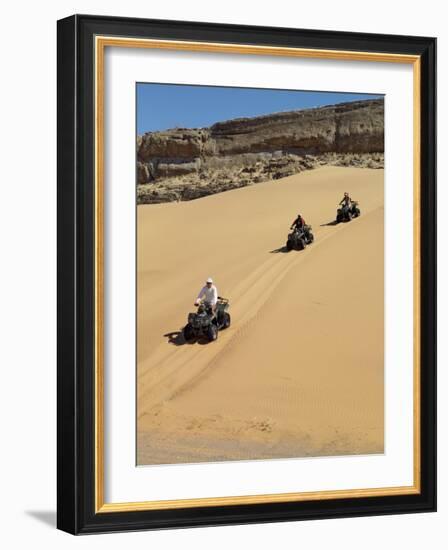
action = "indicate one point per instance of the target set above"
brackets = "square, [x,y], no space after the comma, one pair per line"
[226,322]
[212,333]
[301,244]
[189,334]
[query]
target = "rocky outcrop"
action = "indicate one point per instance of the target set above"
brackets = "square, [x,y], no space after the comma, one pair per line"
[183,164]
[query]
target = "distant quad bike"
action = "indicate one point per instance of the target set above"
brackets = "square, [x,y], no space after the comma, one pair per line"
[205,323]
[346,212]
[299,238]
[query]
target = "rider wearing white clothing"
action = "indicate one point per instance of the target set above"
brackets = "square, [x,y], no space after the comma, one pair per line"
[208,293]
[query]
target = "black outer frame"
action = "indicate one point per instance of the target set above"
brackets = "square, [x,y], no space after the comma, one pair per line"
[75,403]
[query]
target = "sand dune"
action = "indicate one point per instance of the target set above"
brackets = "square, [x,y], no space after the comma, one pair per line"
[300,371]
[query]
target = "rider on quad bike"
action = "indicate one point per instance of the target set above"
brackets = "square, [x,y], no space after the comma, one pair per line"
[211,315]
[346,200]
[300,236]
[299,223]
[349,209]
[208,295]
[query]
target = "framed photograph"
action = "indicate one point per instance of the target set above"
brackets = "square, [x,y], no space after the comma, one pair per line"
[246,274]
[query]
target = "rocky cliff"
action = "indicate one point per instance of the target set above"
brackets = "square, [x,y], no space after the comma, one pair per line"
[183,164]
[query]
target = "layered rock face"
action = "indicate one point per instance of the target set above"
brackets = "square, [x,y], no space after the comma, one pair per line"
[183,164]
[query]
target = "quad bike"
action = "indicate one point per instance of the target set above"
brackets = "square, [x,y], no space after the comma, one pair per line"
[346,212]
[299,238]
[206,322]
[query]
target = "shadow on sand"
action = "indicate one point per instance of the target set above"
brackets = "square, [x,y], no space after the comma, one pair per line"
[177,339]
[281,250]
[333,222]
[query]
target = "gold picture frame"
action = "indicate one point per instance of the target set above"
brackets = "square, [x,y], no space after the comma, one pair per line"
[97,37]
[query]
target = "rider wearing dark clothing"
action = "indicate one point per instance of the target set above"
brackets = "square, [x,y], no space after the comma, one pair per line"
[298,223]
[346,201]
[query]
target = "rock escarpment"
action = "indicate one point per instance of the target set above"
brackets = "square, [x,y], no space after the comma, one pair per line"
[184,164]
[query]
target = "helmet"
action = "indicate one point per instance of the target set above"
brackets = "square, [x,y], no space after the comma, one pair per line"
[346,194]
[209,280]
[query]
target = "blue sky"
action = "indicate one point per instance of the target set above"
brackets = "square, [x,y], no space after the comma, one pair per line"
[163,106]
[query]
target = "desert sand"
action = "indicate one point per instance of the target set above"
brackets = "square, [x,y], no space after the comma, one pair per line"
[300,370]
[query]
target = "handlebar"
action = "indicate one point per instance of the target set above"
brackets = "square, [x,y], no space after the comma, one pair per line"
[220,298]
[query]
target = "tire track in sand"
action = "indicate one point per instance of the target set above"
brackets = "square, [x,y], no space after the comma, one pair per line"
[175,369]
[244,327]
